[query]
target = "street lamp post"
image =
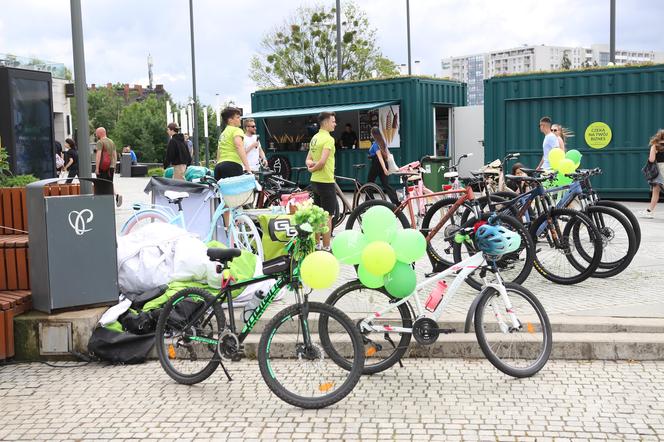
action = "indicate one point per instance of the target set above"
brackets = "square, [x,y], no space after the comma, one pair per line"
[408,32]
[194,126]
[612,37]
[205,132]
[339,39]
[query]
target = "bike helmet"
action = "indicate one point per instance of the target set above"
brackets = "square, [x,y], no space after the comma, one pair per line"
[496,240]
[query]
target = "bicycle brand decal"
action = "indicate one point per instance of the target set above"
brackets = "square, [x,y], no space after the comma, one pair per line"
[258,312]
[281,225]
[80,220]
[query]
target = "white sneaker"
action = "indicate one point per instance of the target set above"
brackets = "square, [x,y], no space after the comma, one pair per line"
[649,214]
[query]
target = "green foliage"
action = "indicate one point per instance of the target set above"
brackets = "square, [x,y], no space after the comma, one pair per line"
[17,180]
[156,171]
[307,213]
[303,50]
[142,125]
[104,109]
[4,160]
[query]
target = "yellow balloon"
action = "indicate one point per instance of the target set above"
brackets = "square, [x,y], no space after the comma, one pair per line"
[556,155]
[566,166]
[378,258]
[319,270]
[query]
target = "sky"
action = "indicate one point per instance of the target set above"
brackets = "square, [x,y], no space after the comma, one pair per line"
[119,34]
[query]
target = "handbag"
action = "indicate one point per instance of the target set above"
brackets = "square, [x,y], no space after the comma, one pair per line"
[650,171]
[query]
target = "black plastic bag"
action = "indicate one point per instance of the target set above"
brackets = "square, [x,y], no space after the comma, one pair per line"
[120,348]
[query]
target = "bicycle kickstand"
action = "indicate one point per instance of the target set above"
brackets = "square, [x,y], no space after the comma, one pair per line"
[389,339]
[228,375]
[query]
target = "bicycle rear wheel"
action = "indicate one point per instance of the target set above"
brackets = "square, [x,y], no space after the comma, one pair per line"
[514,332]
[636,227]
[368,192]
[354,221]
[381,349]
[141,219]
[514,266]
[293,355]
[188,353]
[557,257]
[440,247]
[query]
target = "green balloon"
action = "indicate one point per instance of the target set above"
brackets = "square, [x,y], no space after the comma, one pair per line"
[574,155]
[348,246]
[562,180]
[409,245]
[378,258]
[401,281]
[369,279]
[379,224]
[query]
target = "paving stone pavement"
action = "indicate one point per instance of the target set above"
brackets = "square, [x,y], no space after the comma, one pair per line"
[426,400]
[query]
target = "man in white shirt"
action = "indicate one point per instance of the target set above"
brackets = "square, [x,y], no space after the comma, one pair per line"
[255,154]
[550,142]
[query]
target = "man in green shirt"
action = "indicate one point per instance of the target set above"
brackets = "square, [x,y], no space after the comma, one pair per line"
[320,162]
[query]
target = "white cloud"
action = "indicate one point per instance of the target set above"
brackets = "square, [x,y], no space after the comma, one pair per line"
[119,34]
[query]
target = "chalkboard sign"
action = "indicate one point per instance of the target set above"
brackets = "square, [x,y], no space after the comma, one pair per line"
[368,119]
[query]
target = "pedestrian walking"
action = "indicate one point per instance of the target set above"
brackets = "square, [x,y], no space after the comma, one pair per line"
[550,142]
[252,146]
[562,133]
[71,160]
[320,162]
[378,154]
[177,154]
[190,145]
[106,158]
[656,156]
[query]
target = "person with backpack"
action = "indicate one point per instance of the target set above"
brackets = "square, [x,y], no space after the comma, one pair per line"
[106,159]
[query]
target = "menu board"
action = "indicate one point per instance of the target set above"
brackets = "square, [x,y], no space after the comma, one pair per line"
[368,119]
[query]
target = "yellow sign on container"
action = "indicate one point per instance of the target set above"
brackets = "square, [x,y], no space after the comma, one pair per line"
[598,135]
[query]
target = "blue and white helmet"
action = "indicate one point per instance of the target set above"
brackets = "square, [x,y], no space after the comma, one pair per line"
[497,240]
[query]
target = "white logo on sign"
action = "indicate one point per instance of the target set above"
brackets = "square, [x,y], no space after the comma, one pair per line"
[78,220]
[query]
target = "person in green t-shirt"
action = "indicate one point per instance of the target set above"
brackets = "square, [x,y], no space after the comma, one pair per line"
[231,156]
[320,162]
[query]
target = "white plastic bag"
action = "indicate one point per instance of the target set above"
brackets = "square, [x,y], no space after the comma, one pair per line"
[391,164]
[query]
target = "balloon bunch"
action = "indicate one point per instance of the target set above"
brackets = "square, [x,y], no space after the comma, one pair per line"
[564,163]
[384,252]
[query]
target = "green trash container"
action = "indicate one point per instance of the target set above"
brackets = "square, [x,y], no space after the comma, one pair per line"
[434,168]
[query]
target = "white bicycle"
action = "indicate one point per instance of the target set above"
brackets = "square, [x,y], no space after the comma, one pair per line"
[512,328]
[241,233]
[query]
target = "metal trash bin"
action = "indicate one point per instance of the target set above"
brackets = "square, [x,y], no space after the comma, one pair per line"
[434,168]
[125,165]
[72,247]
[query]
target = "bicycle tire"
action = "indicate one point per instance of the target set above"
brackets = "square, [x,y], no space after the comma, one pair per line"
[439,249]
[356,214]
[371,191]
[272,200]
[164,326]
[140,218]
[576,217]
[636,227]
[608,266]
[506,260]
[248,237]
[370,347]
[482,203]
[488,349]
[265,347]
[340,211]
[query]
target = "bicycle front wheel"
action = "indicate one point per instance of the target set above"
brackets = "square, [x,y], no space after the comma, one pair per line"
[246,236]
[294,360]
[513,331]
[368,192]
[187,336]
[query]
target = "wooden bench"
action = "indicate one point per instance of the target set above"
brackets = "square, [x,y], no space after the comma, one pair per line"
[12,304]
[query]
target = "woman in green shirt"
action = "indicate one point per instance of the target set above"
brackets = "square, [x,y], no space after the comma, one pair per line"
[231,156]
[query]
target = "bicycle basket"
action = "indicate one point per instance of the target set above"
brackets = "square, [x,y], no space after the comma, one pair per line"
[238,190]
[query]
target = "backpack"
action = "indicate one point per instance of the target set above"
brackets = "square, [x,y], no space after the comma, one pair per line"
[105,163]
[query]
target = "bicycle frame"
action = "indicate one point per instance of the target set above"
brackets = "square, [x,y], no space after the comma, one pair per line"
[462,270]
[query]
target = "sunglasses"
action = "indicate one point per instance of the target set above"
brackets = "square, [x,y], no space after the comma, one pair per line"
[252,126]
[554,130]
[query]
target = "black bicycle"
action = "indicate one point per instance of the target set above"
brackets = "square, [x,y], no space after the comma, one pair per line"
[194,338]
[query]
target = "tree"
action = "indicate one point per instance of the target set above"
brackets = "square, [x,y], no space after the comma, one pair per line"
[104,108]
[566,63]
[142,125]
[303,50]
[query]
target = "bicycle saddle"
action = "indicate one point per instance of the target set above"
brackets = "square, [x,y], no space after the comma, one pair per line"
[222,255]
[173,196]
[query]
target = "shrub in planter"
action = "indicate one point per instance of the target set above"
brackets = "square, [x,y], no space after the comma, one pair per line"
[17,180]
[156,171]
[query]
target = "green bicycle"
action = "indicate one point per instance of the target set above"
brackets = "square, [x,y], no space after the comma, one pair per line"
[194,338]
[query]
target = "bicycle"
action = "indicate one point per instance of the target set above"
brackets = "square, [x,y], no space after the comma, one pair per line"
[271,187]
[511,326]
[361,193]
[442,222]
[242,232]
[193,338]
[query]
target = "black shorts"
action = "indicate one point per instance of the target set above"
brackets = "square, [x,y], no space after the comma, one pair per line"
[227,169]
[325,196]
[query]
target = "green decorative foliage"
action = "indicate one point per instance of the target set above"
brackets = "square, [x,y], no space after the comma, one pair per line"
[308,213]
[156,171]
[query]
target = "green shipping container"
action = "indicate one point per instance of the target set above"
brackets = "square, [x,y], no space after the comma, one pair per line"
[629,100]
[423,105]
